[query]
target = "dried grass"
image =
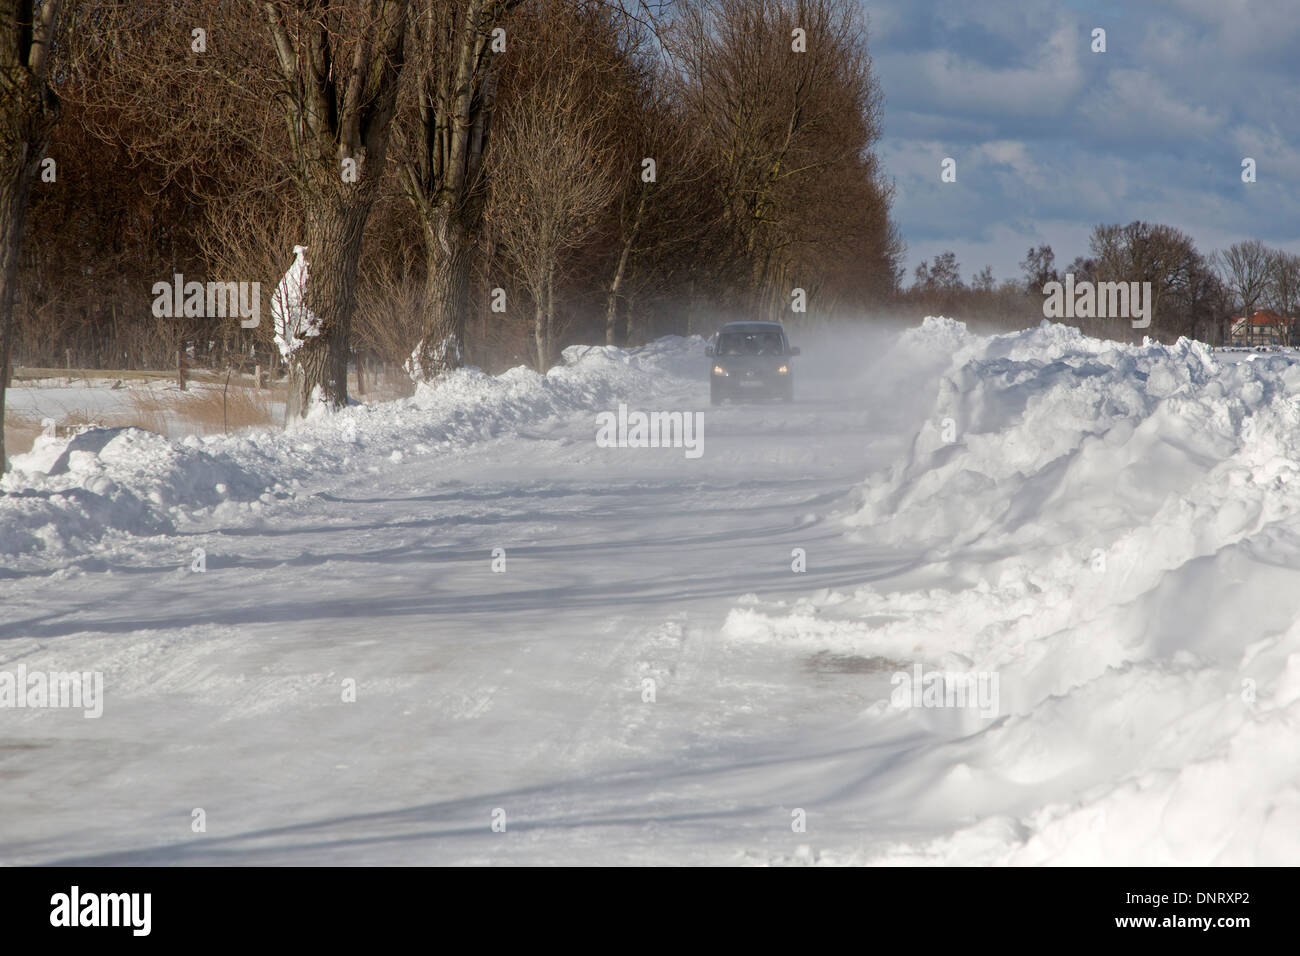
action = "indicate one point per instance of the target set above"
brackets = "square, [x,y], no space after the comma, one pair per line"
[20,433]
[207,409]
[201,410]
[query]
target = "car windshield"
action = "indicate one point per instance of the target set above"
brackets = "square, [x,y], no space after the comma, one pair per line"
[750,343]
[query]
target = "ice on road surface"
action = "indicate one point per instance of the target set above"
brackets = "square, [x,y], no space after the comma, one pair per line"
[454,629]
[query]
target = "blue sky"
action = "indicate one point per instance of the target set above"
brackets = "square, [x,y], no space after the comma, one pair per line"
[1051,138]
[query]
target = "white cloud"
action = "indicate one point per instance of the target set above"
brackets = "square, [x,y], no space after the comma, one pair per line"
[1274,154]
[1051,139]
[1136,105]
[1245,28]
[962,83]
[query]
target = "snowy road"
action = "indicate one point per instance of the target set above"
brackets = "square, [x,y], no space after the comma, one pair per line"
[476,690]
[519,697]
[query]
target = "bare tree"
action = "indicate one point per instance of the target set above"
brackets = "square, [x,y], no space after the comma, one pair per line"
[28,112]
[943,274]
[1039,268]
[551,178]
[1139,252]
[1244,269]
[784,93]
[444,136]
[390,290]
[1083,268]
[1284,281]
[339,68]
[661,213]
[1197,301]
[175,159]
[214,160]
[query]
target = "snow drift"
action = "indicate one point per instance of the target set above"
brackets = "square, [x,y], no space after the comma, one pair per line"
[66,494]
[1115,531]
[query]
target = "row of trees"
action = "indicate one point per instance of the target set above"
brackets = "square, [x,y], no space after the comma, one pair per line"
[1257,277]
[478,180]
[1193,294]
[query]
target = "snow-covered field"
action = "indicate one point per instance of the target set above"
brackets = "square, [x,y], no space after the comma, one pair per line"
[63,397]
[1098,546]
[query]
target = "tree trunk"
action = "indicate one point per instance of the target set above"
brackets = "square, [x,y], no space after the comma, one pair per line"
[15,188]
[28,111]
[339,122]
[550,321]
[539,334]
[611,318]
[443,170]
[629,324]
[446,297]
[611,303]
[318,370]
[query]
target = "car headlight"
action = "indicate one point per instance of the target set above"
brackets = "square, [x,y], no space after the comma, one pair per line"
[719,370]
[783,370]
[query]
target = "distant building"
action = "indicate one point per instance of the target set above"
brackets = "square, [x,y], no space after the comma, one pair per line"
[1264,327]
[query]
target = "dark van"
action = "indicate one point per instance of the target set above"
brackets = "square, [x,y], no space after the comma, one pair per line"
[751,360]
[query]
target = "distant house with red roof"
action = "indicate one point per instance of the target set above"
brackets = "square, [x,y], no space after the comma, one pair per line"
[1264,327]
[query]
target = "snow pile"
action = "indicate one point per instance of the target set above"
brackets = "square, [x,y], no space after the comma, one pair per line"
[1049,416]
[66,493]
[1114,532]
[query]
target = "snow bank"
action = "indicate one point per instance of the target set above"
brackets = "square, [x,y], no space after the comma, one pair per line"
[66,494]
[1114,532]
